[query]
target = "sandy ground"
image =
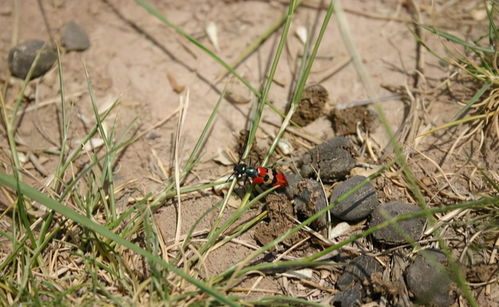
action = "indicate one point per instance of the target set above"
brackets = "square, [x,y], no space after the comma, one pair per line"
[132,54]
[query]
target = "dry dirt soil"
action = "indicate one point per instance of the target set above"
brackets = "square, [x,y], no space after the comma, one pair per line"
[135,58]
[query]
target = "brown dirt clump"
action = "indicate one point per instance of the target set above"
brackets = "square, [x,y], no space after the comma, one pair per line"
[280,212]
[345,121]
[309,200]
[312,104]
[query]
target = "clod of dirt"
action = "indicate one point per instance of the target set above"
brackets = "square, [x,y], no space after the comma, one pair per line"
[279,211]
[345,121]
[313,100]
[356,206]
[394,235]
[74,37]
[21,58]
[350,297]
[331,159]
[308,200]
[428,280]
[358,271]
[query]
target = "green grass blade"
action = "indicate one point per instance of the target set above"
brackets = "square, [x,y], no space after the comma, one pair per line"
[493,31]
[64,124]
[107,176]
[473,99]
[279,300]
[457,40]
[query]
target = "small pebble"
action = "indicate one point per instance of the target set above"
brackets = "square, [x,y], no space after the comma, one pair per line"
[310,199]
[389,235]
[152,135]
[339,230]
[356,206]
[74,37]
[332,159]
[357,271]
[429,282]
[237,92]
[285,147]
[21,58]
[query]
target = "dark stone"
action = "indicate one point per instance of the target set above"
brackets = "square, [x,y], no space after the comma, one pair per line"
[21,58]
[356,206]
[347,298]
[427,278]
[310,199]
[394,235]
[74,37]
[331,159]
[357,271]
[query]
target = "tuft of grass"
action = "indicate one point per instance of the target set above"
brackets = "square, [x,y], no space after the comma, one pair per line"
[481,63]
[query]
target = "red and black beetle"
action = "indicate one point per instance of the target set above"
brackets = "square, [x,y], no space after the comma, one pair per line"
[260,175]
